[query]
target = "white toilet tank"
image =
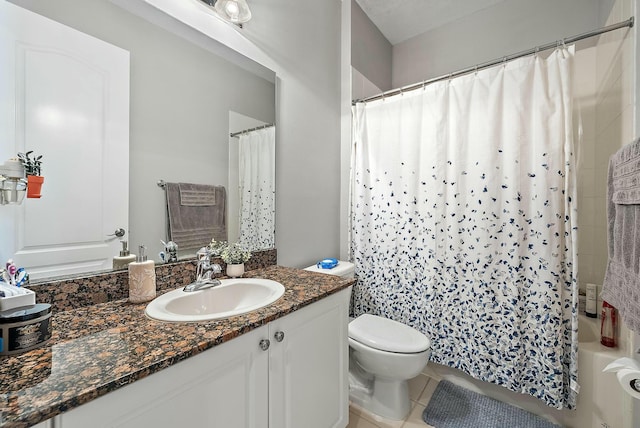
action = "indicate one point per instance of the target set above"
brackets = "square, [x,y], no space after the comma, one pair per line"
[342,269]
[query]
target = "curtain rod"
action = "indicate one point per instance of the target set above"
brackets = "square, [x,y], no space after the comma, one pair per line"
[235,134]
[628,23]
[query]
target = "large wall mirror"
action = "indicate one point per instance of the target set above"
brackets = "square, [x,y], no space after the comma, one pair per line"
[185,101]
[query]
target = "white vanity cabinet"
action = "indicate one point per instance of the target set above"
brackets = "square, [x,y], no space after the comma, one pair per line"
[290,373]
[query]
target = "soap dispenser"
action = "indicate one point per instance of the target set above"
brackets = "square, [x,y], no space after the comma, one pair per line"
[121,261]
[142,278]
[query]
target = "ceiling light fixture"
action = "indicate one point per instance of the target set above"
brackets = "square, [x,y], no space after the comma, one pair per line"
[233,11]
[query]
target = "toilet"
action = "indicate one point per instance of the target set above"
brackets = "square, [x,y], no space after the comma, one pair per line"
[383,355]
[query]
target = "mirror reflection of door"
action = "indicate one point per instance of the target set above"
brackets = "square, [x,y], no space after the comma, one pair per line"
[65,95]
[252,173]
[181,89]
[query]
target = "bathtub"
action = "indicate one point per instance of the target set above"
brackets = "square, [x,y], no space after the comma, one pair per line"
[601,402]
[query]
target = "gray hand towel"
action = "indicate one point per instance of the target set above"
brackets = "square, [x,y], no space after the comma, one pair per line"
[197,214]
[621,286]
[625,176]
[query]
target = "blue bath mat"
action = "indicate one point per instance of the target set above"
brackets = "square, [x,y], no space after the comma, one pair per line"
[452,406]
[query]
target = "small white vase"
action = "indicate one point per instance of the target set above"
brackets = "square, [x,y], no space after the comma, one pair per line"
[235,271]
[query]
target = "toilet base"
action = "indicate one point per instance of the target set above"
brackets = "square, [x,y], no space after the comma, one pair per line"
[388,399]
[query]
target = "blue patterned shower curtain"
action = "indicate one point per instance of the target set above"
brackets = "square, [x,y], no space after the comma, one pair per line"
[463,222]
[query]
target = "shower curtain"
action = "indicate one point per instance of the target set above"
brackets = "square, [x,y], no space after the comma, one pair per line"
[463,222]
[257,189]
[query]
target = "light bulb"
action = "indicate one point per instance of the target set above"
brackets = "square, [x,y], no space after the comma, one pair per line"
[235,11]
[232,9]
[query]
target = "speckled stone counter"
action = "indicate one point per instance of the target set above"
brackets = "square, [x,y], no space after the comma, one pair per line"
[98,348]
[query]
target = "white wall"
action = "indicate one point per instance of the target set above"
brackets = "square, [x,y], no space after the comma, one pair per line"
[612,119]
[506,28]
[345,128]
[371,52]
[361,87]
[301,41]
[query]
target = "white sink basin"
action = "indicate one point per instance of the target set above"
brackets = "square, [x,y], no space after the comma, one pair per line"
[233,297]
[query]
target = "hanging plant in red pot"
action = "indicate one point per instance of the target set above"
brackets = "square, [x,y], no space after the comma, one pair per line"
[32,167]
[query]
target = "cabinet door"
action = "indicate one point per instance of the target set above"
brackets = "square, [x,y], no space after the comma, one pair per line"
[308,369]
[223,387]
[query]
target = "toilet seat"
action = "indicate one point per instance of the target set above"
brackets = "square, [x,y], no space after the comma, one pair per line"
[387,335]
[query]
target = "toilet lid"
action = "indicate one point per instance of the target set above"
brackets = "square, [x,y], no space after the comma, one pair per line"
[387,335]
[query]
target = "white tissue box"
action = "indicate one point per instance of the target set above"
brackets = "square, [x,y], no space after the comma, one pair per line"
[27,299]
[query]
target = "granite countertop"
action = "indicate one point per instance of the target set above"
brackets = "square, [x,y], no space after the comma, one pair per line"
[99,348]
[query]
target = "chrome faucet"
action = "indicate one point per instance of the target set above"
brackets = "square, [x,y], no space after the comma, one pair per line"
[204,271]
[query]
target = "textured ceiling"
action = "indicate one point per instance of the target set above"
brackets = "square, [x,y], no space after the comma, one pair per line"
[400,20]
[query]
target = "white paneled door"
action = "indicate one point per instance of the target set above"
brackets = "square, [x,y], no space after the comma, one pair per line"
[65,95]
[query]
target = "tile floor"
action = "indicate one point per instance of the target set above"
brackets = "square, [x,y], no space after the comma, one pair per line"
[421,389]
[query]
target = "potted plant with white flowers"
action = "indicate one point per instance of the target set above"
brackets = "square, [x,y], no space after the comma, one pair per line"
[216,247]
[234,255]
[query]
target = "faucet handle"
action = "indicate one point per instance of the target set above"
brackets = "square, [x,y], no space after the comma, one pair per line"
[216,268]
[204,258]
[203,254]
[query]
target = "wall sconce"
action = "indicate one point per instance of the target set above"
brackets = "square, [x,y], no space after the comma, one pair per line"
[13,185]
[233,11]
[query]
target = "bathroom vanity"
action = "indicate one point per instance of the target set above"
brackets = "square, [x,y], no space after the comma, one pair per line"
[284,365]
